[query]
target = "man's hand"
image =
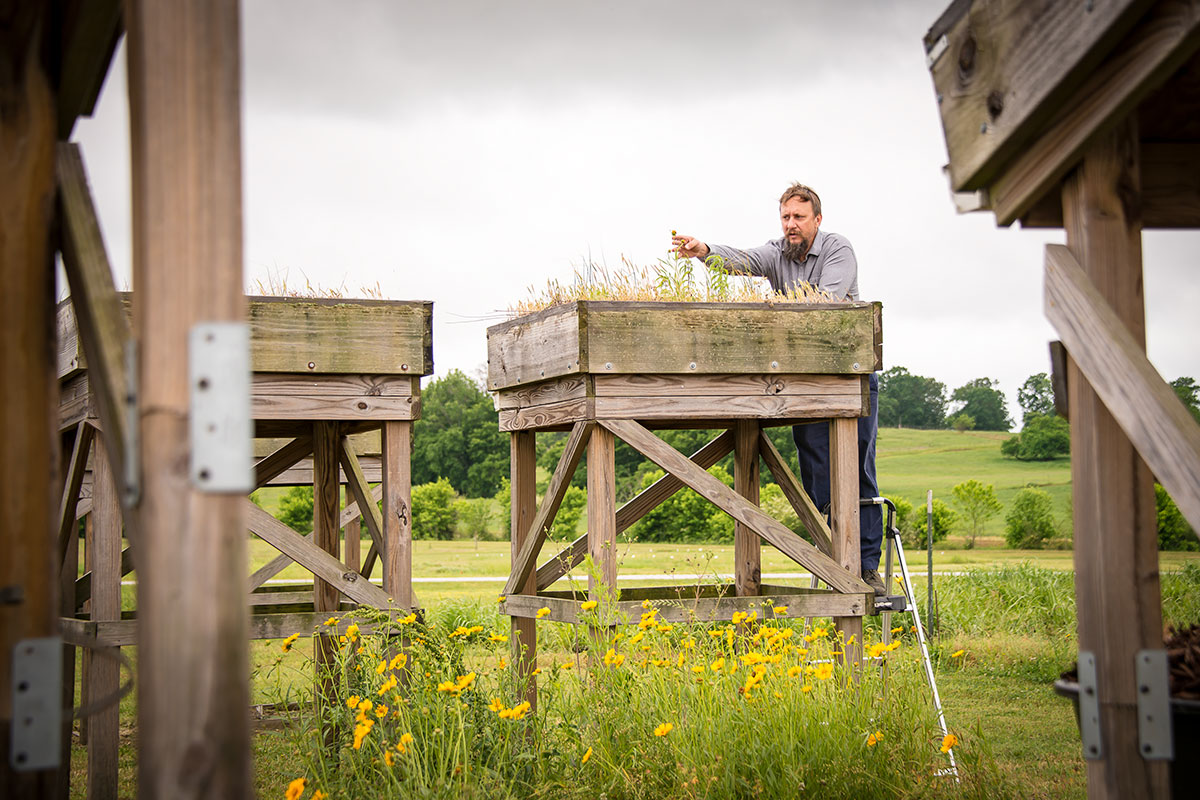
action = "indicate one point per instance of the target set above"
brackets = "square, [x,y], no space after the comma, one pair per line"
[688,246]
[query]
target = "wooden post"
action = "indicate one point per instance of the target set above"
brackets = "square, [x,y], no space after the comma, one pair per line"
[1116,558]
[397,512]
[602,512]
[69,570]
[27,492]
[351,536]
[747,547]
[844,518]
[523,458]
[326,597]
[193,624]
[102,670]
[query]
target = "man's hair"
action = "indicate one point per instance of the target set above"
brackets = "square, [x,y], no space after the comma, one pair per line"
[805,193]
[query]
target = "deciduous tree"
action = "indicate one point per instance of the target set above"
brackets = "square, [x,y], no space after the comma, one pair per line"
[983,400]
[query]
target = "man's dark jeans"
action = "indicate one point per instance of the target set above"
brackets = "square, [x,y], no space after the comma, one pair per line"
[812,450]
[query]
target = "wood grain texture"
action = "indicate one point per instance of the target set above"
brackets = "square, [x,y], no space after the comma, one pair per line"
[397,513]
[90,32]
[636,508]
[1116,557]
[726,385]
[551,415]
[728,501]
[1117,370]
[574,387]
[358,488]
[278,462]
[844,522]
[1010,65]
[747,547]
[731,407]
[810,517]
[535,347]
[523,641]
[103,673]
[186,180]
[76,466]
[602,513]
[560,481]
[1159,44]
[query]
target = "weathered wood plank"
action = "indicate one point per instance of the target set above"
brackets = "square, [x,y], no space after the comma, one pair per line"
[535,347]
[646,500]
[83,584]
[731,407]
[563,413]
[75,402]
[602,513]
[356,485]
[573,387]
[186,178]
[844,527]
[314,386]
[280,562]
[278,462]
[67,518]
[523,641]
[724,498]
[397,513]
[304,552]
[1009,65]
[726,385]
[90,32]
[103,673]
[812,519]
[264,406]
[1156,48]
[1117,370]
[747,547]
[1116,540]
[560,481]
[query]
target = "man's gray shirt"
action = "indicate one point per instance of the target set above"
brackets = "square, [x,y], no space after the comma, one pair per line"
[830,264]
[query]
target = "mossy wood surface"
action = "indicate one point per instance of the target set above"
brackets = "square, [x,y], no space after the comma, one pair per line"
[368,338]
[625,338]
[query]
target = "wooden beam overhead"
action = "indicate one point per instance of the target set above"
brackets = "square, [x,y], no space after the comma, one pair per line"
[90,32]
[1006,67]
[1158,46]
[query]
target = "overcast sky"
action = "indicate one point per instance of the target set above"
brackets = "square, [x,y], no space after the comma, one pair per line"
[461,152]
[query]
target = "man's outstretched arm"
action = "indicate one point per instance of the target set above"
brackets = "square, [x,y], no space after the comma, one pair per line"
[758,261]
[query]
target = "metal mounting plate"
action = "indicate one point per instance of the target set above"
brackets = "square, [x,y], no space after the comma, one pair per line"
[37,716]
[1089,707]
[219,415]
[1154,705]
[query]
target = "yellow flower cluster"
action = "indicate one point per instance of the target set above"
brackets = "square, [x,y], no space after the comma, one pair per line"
[289,641]
[664,729]
[613,659]
[874,738]
[456,687]
[465,632]
[504,712]
[543,612]
[948,742]
[588,606]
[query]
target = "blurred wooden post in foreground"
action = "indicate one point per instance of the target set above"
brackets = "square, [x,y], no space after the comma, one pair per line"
[185,133]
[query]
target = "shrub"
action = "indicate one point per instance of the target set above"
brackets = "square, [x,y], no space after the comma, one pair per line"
[962,421]
[914,525]
[1029,523]
[473,516]
[1174,532]
[686,516]
[772,501]
[1042,439]
[433,514]
[296,509]
[977,503]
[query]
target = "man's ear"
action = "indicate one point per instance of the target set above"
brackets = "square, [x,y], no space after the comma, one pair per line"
[818,220]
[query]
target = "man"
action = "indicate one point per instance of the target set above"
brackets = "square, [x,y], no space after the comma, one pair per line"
[826,260]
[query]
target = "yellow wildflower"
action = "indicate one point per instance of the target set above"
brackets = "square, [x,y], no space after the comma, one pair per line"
[381,668]
[496,705]
[739,617]
[898,630]
[450,688]
[679,661]
[646,603]
[586,756]
[717,665]
[794,671]
[497,638]
[388,758]
[588,606]
[637,637]
[381,710]
[664,729]
[689,643]
[289,641]
[352,701]
[409,619]
[543,612]
[504,663]
[806,688]
[331,621]
[296,788]
[319,795]
[872,739]
[352,633]
[360,732]
[567,665]
[387,686]
[698,668]
[957,653]
[398,662]
[948,742]
[893,645]
[876,650]
[365,705]
[824,671]
[780,611]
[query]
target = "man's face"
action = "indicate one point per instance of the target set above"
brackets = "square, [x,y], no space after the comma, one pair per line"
[799,225]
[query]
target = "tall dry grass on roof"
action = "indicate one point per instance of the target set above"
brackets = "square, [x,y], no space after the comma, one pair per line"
[673,280]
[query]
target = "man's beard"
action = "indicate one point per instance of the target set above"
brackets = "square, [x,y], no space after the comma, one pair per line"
[796,251]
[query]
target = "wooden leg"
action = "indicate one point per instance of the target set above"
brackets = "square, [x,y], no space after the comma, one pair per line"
[1116,559]
[523,457]
[844,528]
[747,546]
[70,569]
[325,533]
[103,672]
[602,513]
[397,513]
[351,538]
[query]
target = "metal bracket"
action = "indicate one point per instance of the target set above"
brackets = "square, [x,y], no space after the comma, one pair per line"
[36,710]
[133,464]
[1154,705]
[222,458]
[1089,707]
[936,50]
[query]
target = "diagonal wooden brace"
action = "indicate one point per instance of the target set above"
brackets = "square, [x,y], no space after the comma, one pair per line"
[1141,402]
[281,460]
[720,495]
[812,519]
[304,552]
[356,482]
[646,500]
[84,433]
[526,559]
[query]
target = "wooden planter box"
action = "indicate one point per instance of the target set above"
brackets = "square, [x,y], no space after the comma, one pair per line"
[607,370]
[683,364]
